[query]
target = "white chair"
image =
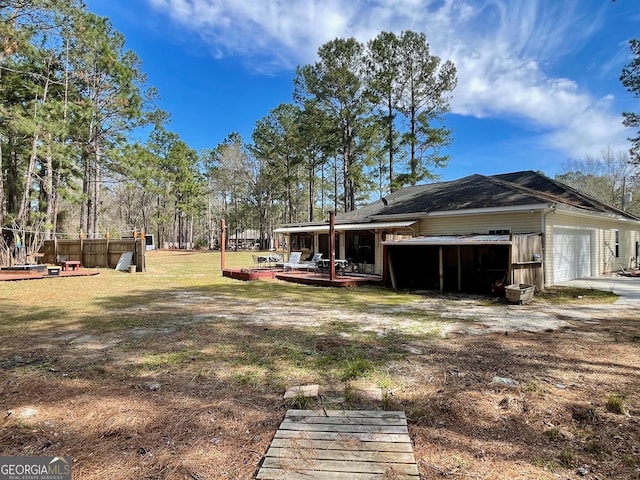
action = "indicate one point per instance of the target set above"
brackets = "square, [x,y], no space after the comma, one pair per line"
[293,262]
[313,263]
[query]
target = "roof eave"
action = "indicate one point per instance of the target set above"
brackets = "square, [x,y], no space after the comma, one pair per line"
[590,213]
[468,211]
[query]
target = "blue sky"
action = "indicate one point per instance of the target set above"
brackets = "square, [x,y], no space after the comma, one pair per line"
[538,80]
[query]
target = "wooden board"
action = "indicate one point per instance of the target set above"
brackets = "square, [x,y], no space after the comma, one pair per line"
[340,444]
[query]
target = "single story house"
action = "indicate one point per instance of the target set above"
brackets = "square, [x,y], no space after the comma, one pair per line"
[478,233]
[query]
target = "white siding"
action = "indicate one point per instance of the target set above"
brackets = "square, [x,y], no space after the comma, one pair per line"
[602,239]
[481,223]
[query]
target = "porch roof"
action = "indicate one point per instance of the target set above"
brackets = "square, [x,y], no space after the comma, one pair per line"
[345,226]
[452,240]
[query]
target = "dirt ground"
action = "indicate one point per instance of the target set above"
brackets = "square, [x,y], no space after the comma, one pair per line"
[491,391]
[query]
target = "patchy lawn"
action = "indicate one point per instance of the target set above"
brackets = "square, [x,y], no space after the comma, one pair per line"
[178,373]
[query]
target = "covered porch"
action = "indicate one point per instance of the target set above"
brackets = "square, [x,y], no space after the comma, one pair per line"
[359,243]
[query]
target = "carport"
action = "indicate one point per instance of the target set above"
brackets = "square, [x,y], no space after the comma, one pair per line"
[463,263]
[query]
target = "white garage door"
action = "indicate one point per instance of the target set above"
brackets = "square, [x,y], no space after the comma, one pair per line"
[571,254]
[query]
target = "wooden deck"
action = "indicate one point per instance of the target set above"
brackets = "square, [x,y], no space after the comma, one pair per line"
[339,444]
[304,277]
[248,274]
[12,275]
[322,279]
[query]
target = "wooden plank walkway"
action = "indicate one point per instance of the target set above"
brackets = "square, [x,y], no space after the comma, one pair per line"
[340,445]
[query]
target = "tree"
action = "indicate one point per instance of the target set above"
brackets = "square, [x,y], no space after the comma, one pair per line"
[608,178]
[425,100]
[33,103]
[276,140]
[630,78]
[317,148]
[232,166]
[386,87]
[335,84]
[111,88]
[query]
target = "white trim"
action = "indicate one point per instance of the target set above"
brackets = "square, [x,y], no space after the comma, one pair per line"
[452,240]
[475,211]
[339,227]
[470,211]
[601,215]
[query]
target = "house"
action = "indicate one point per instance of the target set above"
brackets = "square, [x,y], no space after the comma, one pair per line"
[478,233]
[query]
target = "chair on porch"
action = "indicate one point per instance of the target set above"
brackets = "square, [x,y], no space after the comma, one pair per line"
[315,260]
[293,262]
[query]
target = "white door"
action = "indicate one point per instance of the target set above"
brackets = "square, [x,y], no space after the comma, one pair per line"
[571,254]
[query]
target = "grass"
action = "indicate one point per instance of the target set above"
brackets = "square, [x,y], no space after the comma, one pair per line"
[616,404]
[83,354]
[566,458]
[569,295]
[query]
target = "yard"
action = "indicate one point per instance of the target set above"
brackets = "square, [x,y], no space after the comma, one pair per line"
[178,373]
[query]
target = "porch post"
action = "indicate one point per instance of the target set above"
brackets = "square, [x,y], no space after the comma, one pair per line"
[332,246]
[441,268]
[459,270]
[223,234]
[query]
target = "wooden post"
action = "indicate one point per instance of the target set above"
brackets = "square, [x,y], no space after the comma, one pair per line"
[135,249]
[332,246]
[143,252]
[512,260]
[106,260]
[441,268]
[459,269]
[392,274]
[81,248]
[223,234]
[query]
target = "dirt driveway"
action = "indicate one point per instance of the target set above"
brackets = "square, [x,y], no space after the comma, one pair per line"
[430,313]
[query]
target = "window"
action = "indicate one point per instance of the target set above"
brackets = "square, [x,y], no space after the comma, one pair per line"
[504,231]
[301,241]
[617,233]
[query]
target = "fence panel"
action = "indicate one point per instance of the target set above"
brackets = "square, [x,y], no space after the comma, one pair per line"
[100,253]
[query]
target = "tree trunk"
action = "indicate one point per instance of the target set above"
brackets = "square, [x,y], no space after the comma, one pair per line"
[2,204]
[26,194]
[289,194]
[48,189]
[96,193]
[390,134]
[311,191]
[56,203]
[84,205]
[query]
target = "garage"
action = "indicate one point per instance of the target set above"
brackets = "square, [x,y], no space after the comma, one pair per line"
[571,254]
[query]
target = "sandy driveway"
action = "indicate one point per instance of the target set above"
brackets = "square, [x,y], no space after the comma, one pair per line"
[450,314]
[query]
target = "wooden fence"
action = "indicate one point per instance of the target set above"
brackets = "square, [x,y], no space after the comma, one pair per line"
[100,253]
[525,268]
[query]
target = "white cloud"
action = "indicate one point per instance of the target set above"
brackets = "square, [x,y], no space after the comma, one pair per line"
[502,49]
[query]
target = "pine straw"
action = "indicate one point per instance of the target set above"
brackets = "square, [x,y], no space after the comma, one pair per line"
[203,401]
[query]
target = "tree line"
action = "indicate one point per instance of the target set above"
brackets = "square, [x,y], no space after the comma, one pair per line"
[85,150]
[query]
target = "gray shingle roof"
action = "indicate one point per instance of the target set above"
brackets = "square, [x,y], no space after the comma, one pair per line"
[479,191]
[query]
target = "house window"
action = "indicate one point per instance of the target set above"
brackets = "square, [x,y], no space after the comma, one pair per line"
[617,234]
[301,241]
[504,231]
